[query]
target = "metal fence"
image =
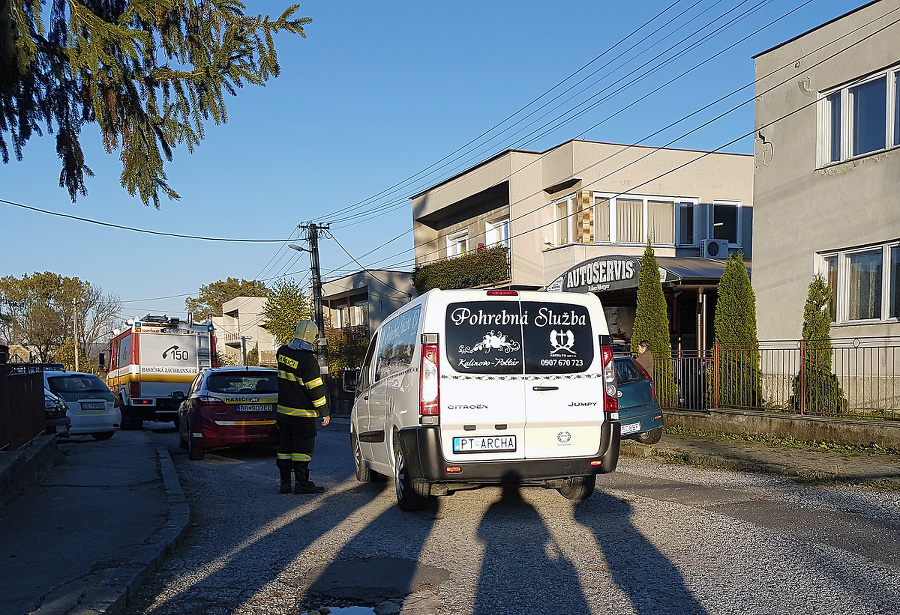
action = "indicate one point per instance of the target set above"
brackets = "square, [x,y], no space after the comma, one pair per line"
[22,413]
[853,377]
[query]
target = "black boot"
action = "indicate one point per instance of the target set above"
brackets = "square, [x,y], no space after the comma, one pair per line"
[302,483]
[285,480]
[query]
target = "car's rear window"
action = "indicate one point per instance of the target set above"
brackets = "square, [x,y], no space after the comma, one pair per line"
[508,337]
[627,371]
[243,382]
[77,383]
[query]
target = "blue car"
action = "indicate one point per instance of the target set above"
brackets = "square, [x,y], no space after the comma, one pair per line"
[639,412]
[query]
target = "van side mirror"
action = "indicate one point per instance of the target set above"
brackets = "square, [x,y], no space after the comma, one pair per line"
[350,380]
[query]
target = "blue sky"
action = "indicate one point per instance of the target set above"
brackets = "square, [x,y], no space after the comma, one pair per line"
[377,92]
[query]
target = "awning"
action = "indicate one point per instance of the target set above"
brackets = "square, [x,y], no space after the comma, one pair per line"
[615,272]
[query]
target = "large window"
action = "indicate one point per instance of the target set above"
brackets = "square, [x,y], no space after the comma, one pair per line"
[564,213]
[860,118]
[686,224]
[864,283]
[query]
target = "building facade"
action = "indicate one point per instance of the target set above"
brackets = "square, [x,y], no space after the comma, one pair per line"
[365,298]
[240,327]
[827,169]
[591,207]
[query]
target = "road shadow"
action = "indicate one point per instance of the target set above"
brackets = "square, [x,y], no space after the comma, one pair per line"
[380,563]
[515,540]
[651,582]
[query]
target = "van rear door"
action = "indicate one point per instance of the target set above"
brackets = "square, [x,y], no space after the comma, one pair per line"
[482,387]
[563,380]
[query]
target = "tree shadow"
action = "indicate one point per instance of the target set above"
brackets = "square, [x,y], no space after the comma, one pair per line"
[652,583]
[516,539]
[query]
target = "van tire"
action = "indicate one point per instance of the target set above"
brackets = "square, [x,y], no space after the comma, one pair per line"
[579,488]
[411,495]
[650,437]
[363,474]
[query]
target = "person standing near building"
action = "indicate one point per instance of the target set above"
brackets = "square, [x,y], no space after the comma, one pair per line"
[645,357]
[301,400]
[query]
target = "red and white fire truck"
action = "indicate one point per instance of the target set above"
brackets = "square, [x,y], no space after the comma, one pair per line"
[152,365]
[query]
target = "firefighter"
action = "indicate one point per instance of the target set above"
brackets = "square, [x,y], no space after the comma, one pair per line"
[301,400]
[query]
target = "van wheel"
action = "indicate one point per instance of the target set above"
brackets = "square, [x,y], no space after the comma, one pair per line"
[578,488]
[363,474]
[650,437]
[411,495]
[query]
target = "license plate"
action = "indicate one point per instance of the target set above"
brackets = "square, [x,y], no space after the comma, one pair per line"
[630,428]
[93,406]
[484,444]
[255,407]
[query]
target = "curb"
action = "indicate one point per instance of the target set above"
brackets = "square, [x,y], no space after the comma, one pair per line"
[116,587]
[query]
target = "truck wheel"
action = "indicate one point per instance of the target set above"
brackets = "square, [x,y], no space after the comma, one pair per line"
[579,488]
[411,495]
[650,437]
[363,474]
[129,419]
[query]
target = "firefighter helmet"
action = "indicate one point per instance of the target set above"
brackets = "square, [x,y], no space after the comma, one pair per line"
[306,331]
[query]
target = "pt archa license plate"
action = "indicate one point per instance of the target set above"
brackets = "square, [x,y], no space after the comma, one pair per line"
[484,444]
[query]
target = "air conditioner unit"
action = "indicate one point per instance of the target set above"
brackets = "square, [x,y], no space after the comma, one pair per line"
[714,248]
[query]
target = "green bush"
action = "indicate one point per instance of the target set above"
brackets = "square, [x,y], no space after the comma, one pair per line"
[478,268]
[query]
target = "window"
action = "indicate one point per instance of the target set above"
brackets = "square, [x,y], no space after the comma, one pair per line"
[860,118]
[340,316]
[686,219]
[864,283]
[661,222]
[726,222]
[397,344]
[601,223]
[359,313]
[565,217]
[497,233]
[629,221]
[457,243]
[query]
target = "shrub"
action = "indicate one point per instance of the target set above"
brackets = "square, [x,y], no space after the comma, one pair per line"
[478,268]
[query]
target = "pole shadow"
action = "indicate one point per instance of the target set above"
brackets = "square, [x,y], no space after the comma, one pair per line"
[515,540]
[652,583]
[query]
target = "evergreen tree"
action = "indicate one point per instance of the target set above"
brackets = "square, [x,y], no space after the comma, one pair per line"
[253,356]
[149,73]
[735,323]
[817,384]
[651,323]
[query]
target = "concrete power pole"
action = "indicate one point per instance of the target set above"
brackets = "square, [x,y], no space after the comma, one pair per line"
[312,236]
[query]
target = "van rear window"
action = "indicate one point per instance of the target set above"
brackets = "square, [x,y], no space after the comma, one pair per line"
[508,337]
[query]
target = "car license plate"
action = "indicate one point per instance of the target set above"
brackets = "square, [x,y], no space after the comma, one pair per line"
[484,444]
[93,407]
[630,428]
[255,407]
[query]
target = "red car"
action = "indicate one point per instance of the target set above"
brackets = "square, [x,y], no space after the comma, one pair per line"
[229,406]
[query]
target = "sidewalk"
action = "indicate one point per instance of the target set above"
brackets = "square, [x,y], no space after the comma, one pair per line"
[86,533]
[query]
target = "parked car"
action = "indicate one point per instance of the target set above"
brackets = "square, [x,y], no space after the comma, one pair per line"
[639,412]
[229,406]
[56,411]
[92,407]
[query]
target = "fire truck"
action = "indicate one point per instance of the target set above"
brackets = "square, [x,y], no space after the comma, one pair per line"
[153,363]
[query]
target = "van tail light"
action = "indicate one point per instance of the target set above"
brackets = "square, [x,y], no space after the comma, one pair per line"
[429,381]
[211,403]
[503,293]
[610,387]
[135,389]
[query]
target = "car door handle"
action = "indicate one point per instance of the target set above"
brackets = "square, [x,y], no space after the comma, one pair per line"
[539,388]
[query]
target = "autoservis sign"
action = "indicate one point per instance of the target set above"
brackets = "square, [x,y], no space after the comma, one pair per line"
[604,273]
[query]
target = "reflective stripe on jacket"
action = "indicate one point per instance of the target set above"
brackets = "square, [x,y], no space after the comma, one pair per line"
[301,391]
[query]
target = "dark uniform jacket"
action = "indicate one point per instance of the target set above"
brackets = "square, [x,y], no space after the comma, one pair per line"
[301,392]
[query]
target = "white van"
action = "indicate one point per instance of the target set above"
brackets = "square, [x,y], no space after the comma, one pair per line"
[488,386]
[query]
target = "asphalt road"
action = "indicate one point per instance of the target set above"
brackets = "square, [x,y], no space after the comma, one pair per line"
[654,538]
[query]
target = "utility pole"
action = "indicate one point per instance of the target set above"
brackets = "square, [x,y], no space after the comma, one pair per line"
[75,339]
[312,236]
